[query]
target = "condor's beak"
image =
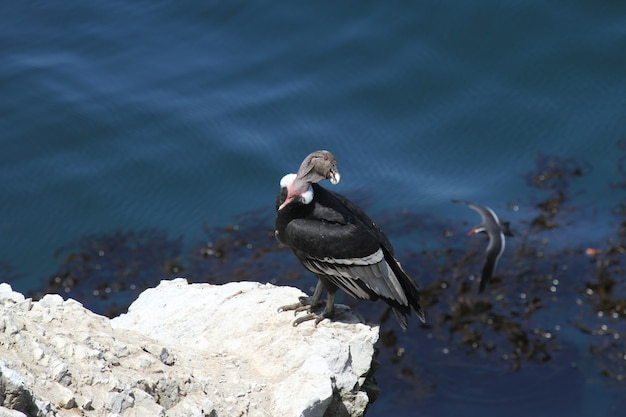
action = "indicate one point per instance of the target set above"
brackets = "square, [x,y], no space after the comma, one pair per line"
[335,177]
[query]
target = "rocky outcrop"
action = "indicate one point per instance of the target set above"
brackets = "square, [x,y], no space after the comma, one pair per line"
[182,350]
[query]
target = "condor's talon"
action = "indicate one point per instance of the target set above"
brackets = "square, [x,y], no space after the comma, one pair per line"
[289,307]
[302,319]
[313,316]
[305,304]
[308,308]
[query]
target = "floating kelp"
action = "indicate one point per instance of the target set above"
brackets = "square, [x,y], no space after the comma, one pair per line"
[244,251]
[106,272]
[7,273]
[604,291]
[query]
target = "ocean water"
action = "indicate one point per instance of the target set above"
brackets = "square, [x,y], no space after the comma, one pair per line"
[119,116]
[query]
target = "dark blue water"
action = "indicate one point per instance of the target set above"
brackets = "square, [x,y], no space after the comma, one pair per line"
[126,116]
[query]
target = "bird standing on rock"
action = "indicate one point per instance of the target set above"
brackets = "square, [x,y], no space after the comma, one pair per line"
[496,231]
[339,243]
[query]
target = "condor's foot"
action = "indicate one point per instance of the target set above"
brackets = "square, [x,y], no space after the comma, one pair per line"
[309,304]
[314,316]
[305,304]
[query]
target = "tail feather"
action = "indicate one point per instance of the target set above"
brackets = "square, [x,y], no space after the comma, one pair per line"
[401,317]
[411,291]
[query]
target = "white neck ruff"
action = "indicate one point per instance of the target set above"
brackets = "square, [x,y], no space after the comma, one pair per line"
[306,197]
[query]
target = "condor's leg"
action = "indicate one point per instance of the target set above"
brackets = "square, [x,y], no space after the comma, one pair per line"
[307,303]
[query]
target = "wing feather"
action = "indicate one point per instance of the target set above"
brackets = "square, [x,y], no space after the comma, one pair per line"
[366,278]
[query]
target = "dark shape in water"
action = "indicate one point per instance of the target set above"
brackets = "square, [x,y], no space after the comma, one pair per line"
[496,230]
[106,272]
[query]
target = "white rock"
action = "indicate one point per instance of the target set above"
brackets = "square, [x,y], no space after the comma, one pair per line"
[193,406]
[15,393]
[51,300]
[185,350]
[26,304]
[7,294]
[6,412]
[200,316]
[315,392]
[64,397]
[38,354]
